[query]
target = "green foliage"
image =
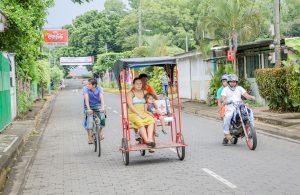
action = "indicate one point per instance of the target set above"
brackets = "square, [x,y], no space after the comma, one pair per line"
[106,62]
[280,87]
[215,82]
[43,68]
[56,75]
[114,6]
[23,37]
[155,77]
[23,101]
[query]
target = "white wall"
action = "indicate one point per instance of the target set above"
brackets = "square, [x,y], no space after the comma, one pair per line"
[194,75]
[184,78]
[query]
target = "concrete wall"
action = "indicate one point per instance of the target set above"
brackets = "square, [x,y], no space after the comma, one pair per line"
[195,75]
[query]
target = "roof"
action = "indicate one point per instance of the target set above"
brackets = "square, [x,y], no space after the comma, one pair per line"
[251,45]
[147,61]
[141,62]
[187,54]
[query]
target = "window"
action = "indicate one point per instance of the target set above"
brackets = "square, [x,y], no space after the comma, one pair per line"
[252,63]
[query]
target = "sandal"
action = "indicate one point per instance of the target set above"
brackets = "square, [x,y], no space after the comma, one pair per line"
[151,151]
[150,144]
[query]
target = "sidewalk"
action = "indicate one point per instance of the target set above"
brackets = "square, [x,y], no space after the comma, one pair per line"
[17,134]
[283,124]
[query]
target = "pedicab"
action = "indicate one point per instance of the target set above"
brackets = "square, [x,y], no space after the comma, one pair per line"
[172,118]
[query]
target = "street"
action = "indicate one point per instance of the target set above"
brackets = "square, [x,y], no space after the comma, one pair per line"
[66,164]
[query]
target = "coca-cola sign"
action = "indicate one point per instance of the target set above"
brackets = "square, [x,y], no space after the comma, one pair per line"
[56,37]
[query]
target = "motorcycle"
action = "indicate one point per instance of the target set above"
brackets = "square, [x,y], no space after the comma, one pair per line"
[241,125]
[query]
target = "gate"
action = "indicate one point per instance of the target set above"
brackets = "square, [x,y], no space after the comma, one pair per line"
[5,100]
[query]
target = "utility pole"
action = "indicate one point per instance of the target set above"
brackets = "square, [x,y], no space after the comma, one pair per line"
[186,42]
[140,23]
[106,48]
[277,33]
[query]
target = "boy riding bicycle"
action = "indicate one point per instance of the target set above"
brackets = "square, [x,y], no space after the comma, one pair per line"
[93,102]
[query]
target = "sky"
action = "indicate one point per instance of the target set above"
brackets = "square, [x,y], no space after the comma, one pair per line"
[64,11]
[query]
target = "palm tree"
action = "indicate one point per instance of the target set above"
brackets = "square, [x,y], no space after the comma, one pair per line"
[234,20]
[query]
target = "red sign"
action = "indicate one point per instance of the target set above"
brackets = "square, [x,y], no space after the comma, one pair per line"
[230,55]
[56,37]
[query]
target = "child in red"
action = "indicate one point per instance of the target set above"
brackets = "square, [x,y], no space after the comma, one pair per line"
[151,107]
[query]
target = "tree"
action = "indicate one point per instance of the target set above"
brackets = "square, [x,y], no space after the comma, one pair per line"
[233,20]
[115,6]
[106,62]
[170,18]
[24,35]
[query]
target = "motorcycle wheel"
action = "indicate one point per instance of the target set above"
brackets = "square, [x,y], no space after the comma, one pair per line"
[252,139]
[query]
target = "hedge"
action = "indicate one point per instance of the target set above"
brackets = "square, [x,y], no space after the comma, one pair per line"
[280,87]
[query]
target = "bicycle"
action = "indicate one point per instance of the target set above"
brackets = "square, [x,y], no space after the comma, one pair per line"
[97,132]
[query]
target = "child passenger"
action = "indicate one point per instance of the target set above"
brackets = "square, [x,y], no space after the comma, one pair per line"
[151,107]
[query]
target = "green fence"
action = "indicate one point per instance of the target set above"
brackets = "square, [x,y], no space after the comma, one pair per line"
[5,100]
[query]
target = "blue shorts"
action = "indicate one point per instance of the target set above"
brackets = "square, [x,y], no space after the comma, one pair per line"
[88,121]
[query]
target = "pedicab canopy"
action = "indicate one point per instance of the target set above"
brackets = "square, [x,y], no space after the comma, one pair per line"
[123,64]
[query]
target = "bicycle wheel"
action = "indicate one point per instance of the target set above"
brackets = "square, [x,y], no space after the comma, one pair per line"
[99,142]
[95,141]
[252,139]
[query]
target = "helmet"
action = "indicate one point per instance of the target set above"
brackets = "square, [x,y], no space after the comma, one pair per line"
[224,77]
[230,78]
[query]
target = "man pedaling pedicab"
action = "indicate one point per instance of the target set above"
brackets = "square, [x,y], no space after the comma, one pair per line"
[219,96]
[232,94]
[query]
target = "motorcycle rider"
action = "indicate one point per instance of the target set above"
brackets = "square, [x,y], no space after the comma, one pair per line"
[231,94]
[219,97]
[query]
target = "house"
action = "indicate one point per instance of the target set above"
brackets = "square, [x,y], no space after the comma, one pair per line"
[195,71]
[249,57]
[194,75]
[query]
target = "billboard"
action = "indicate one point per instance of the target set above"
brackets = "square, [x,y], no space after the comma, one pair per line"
[56,37]
[76,61]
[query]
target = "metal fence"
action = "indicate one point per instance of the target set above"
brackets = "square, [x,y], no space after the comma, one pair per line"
[5,100]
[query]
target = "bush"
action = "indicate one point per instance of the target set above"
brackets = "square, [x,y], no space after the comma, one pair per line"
[280,87]
[155,77]
[215,83]
[24,102]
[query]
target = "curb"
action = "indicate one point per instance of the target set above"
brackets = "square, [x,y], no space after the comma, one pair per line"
[262,126]
[8,160]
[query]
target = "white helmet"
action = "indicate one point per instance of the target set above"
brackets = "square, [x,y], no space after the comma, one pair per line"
[230,78]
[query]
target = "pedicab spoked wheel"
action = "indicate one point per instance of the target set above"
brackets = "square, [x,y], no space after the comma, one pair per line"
[180,150]
[251,134]
[98,142]
[142,152]
[235,140]
[125,151]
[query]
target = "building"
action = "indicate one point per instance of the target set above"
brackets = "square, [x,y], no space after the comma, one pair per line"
[194,75]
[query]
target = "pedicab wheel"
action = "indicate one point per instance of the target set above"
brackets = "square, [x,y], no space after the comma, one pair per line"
[235,140]
[125,151]
[180,150]
[142,152]
[252,139]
